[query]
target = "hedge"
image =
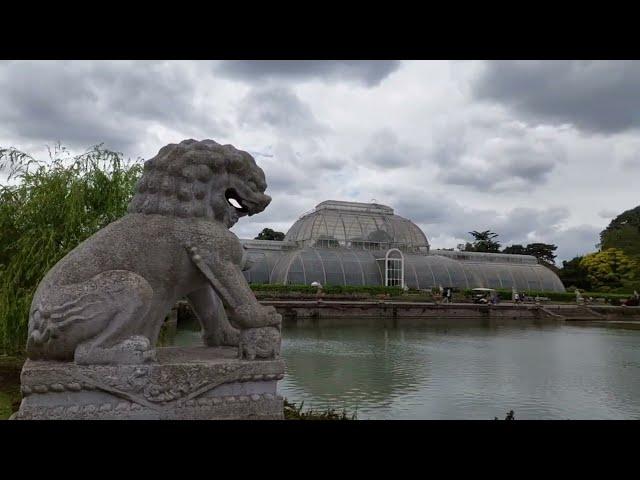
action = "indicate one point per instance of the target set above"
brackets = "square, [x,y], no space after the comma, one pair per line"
[329,289]
[505,294]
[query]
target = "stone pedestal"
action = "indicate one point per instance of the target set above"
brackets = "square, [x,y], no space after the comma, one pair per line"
[195,383]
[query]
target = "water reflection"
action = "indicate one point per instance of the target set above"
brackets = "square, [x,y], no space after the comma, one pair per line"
[466,371]
[461,371]
[350,367]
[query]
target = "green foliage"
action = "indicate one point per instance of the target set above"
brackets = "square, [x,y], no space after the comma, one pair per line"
[483,242]
[610,268]
[542,251]
[10,395]
[515,250]
[505,294]
[623,233]
[616,267]
[46,209]
[9,401]
[294,412]
[328,289]
[269,234]
[573,274]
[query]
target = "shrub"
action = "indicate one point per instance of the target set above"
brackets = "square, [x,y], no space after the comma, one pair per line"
[294,412]
[610,268]
[505,294]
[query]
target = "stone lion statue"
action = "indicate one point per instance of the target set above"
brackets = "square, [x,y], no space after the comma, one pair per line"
[105,302]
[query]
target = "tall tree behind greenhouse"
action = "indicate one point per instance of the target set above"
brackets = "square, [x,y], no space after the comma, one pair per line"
[483,242]
[269,234]
[624,233]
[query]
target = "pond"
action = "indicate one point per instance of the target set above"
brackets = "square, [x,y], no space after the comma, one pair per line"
[461,370]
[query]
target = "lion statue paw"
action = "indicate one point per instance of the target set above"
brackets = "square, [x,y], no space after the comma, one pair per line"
[262,342]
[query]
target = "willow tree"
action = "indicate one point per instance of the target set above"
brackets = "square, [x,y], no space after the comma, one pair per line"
[47,207]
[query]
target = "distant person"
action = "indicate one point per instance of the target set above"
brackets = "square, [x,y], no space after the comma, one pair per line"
[318,286]
[516,297]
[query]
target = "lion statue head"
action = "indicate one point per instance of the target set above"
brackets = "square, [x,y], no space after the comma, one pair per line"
[201,179]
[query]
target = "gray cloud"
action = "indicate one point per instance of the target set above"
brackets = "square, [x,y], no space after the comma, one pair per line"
[441,217]
[319,135]
[384,150]
[290,172]
[627,152]
[576,241]
[608,213]
[85,103]
[596,96]
[445,216]
[422,208]
[506,157]
[367,72]
[280,109]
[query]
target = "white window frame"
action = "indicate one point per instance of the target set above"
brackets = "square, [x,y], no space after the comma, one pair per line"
[388,260]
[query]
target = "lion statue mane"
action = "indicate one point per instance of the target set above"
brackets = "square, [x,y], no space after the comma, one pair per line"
[105,301]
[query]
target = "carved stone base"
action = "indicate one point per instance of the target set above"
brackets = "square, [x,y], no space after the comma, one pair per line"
[196,383]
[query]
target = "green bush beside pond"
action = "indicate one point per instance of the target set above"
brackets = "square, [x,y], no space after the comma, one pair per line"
[505,294]
[417,295]
[295,412]
[329,289]
[10,396]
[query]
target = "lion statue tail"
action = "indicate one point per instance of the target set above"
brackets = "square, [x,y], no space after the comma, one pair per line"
[50,324]
[101,307]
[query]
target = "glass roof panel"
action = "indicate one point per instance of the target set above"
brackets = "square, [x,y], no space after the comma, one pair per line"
[347,221]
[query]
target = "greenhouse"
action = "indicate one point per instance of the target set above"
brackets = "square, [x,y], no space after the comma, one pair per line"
[349,243]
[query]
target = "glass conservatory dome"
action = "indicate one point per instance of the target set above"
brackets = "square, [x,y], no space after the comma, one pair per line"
[350,243]
[367,226]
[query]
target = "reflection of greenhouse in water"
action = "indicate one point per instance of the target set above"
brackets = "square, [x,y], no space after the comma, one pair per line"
[349,243]
[352,366]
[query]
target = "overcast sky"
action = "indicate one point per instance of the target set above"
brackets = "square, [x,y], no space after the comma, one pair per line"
[535,151]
